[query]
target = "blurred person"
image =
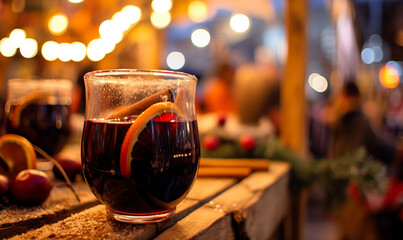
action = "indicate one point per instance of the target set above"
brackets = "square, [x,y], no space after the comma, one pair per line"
[352,129]
[217,94]
[256,93]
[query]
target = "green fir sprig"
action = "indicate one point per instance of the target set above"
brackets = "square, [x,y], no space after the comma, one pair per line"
[333,175]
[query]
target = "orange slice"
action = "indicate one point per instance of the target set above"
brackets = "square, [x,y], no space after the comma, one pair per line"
[16,154]
[23,102]
[163,112]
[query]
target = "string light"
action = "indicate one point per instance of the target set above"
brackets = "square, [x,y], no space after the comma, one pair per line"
[389,76]
[239,23]
[133,13]
[111,32]
[175,60]
[95,50]
[317,82]
[17,36]
[161,6]
[197,11]
[29,48]
[160,20]
[200,37]
[64,52]
[58,24]
[50,50]
[7,47]
[78,51]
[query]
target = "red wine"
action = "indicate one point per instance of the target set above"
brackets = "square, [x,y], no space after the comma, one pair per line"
[44,125]
[163,168]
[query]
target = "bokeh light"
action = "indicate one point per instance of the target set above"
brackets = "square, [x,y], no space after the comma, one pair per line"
[240,23]
[50,50]
[107,46]
[396,66]
[121,21]
[7,47]
[133,13]
[389,76]
[95,51]
[317,82]
[378,54]
[29,48]
[160,20]
[107,27]
[76,1]
[161,6]
[17,36]
[78,51]
[64,53]
[200,37]
[110,31]
[367,55]
[197,11]
[175,60]
[58,24]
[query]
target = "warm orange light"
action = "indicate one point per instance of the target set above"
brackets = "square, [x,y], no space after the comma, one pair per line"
[58,24]
[389,77]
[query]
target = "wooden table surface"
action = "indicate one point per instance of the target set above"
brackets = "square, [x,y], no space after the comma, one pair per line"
[215,208]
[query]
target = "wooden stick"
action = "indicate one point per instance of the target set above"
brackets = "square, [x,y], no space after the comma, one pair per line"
[138,107]
[230,172]
[254,164]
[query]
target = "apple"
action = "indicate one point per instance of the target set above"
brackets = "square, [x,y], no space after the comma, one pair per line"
[4,185]
[71,166]
[222,119]
[211,142]
[247,142]
[31,187]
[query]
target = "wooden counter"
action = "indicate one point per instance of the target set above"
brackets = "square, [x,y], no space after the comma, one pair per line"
[215,208]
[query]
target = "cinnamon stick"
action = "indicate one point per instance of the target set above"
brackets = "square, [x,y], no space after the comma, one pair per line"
[254,164]
[230,172]
[138,107]
[180,101]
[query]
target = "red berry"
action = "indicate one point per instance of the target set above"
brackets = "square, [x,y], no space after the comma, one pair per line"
[221,120]
[247,142]
[4,186]
[211,142]
[31,187]
[72,167]
[167,117]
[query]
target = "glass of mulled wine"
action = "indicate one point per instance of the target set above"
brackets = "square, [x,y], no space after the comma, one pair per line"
[140,146]
[39,110]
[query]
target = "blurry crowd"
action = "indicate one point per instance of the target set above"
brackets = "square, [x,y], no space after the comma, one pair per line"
[341,123]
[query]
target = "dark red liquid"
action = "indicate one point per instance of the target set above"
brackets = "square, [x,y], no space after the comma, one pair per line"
[164,165]
[44,125]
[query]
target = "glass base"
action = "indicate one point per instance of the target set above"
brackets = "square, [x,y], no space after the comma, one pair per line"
[140,219]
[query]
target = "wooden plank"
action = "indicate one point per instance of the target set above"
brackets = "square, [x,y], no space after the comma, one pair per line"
[61,203]
[251,209]
[93,223]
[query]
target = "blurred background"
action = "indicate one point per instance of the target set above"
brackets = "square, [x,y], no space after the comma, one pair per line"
[360,40]
[234,48]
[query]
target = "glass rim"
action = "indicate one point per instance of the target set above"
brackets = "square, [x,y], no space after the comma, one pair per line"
[148,72]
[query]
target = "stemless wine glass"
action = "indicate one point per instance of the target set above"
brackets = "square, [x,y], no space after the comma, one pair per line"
[140,147]
[39,109]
